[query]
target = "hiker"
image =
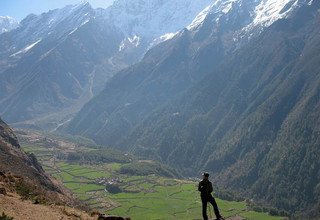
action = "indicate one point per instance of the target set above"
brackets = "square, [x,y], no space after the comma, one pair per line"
[205,187]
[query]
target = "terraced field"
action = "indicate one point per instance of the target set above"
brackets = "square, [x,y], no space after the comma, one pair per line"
[140,197]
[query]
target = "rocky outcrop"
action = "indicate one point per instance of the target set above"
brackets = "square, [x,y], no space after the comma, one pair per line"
[22,172]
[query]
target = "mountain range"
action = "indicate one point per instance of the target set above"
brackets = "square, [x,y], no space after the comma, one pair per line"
[62,58]
[231,87]
[235,93]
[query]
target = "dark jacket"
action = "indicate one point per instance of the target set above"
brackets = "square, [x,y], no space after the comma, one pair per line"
[205,187]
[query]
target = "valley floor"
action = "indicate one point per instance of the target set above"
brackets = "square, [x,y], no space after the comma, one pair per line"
[141,197]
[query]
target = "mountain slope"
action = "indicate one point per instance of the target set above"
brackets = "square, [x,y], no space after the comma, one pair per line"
[151,19]
[252,121]
[166,71]
[146,23]
[53,64]
[26,190]
[26,173]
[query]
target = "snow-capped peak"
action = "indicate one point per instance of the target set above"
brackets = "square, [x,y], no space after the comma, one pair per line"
[200,18]
[218,7]
[58,21]
[262,13]
[7,24]
[154,18]
[54,24]
[268,11]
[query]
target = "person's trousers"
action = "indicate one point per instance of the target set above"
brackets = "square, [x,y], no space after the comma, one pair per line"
[212,201]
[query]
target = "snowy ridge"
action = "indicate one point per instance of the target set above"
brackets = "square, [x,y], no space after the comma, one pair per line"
[153,18]
[269,11]
[7,24]
[56,24]
[167,36]
[263,13]
[146,22]
[72,16]
[200,18]
[218,7]
[162,38]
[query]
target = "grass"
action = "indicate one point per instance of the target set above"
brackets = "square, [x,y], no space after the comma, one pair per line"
[115,166]
[179,201]
[66,177]
[144,197]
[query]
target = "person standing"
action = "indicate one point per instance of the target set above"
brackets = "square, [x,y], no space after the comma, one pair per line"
[205,187]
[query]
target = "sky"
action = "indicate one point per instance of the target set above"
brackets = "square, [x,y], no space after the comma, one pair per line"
[19,9]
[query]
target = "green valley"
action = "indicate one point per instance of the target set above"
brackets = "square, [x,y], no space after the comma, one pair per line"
[147,190]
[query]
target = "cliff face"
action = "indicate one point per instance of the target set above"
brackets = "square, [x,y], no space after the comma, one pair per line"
[21,172]
[26,190]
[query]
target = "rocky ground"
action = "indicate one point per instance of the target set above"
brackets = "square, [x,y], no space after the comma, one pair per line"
[13,206]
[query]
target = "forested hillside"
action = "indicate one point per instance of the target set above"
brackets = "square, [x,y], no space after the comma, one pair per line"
[253,120]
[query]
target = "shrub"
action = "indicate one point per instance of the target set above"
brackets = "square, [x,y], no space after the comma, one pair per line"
[5,217]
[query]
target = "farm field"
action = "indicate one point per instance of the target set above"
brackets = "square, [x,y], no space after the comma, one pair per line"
[141,197]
